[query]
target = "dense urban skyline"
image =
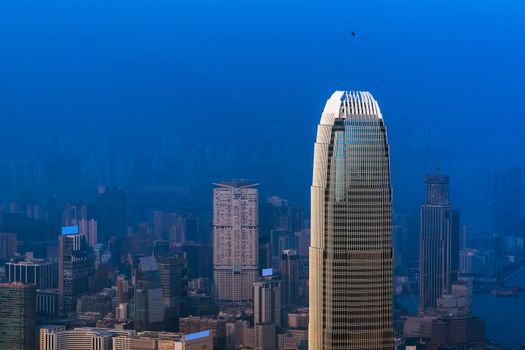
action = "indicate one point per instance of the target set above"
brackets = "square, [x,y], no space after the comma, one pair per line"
[156,184]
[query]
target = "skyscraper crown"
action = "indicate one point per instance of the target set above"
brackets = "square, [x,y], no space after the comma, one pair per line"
[436,189]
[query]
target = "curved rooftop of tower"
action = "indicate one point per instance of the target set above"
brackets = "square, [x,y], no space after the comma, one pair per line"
[343,104]
[237,183]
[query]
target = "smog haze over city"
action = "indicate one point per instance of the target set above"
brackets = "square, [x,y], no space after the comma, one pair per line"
[132,116]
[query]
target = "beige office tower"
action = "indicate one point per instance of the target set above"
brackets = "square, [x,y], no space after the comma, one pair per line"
[235,232]
[350,252]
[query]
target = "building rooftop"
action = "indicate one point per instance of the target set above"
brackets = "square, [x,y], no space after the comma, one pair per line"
[345,103]
[240,183]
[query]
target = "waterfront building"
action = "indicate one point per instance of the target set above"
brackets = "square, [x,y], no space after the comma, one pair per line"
[439,243]
[467,332]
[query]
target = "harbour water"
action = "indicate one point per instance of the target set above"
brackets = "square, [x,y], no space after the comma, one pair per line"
[504,316]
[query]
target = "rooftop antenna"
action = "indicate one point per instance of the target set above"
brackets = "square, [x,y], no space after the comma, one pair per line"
[437,166]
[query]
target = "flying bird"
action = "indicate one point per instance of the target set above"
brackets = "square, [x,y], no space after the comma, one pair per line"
[353,34]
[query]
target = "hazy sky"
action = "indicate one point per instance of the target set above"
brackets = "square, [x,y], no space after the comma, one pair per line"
[255,75]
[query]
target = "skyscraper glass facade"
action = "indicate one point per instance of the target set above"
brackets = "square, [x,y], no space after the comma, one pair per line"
[350,252]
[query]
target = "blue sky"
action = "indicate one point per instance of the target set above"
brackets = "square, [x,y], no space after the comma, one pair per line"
[254,75]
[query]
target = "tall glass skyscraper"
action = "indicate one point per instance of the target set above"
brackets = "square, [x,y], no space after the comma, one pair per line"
[350,252]
[439,243]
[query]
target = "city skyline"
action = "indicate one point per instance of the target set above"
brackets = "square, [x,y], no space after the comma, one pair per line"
[153,258]
[218,175]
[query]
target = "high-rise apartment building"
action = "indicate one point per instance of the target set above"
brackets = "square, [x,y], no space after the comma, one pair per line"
[266,312]
[439,243]
[235,230]
[17,316]
[267,302]
[350,253]
[75,266]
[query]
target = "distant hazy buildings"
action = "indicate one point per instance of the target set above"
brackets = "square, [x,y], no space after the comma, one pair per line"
[17,316]
[507,201]
[477,262]
[112,213]
[199,258]
[351,253]
[439,242]
[90,229]
[279,228]
[235,230]
[7,245]
[81,216]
